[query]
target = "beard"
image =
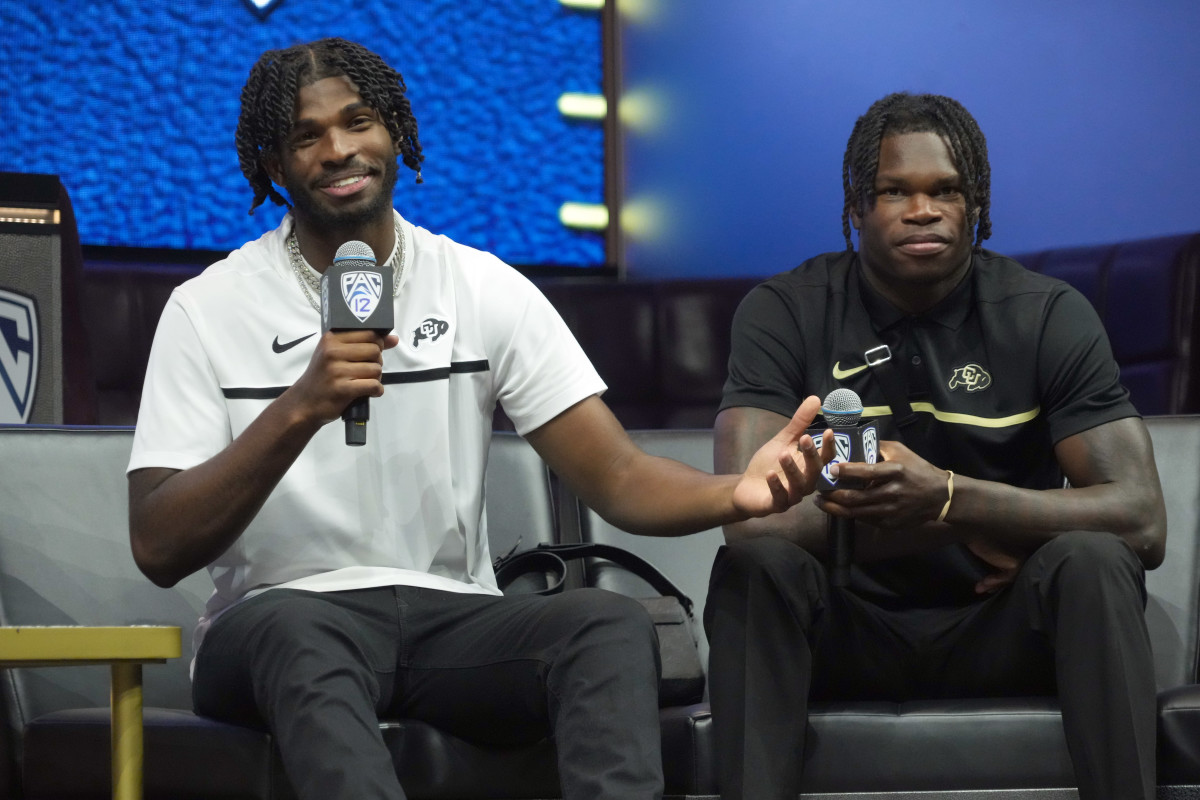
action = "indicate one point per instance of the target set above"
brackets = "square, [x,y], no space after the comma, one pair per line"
[314,210]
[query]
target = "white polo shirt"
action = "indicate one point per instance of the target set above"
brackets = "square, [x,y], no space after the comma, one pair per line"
[408,507]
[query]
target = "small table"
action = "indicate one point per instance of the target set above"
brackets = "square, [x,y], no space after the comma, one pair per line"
[124,649]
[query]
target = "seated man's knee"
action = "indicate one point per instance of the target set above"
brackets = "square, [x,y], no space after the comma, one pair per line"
[765,558]
[1090,551]
[608,631]
[612,615]
[1082,559]
[765,578]
[282,642]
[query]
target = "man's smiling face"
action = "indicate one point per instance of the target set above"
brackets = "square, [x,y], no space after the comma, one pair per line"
[338,161]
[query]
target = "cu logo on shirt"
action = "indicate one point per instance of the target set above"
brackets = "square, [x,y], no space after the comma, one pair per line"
[431,329]
[972,376]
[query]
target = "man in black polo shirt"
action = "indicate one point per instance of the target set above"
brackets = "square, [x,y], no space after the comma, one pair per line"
[976,572]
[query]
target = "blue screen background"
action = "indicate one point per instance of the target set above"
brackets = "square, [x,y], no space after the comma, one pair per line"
[134,105]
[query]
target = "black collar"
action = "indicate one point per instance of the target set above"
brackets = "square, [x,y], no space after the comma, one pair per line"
[950,312]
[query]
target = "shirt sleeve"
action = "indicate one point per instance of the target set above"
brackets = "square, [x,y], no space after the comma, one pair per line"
[182,420]
[766,357]
[1079,377]
[539,367]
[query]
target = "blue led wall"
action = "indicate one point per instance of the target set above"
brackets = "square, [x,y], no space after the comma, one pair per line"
[134,104]
[1091,110]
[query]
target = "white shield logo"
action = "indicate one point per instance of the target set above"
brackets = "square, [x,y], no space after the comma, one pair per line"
[361,291]
[18,356]
[870,445]
[841,452]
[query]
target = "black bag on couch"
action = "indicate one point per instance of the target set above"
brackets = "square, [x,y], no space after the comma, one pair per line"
[682,681]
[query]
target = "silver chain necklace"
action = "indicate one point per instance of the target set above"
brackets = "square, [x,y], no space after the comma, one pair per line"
[310,283]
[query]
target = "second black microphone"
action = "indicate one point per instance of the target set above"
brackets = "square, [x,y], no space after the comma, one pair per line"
[853,441]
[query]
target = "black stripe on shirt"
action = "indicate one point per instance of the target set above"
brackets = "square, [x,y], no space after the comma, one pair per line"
[436,374]
[415,376]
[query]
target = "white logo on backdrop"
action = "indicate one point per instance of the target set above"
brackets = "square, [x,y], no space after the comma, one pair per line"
[18,356]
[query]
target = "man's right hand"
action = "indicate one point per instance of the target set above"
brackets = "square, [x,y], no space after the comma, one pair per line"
[345,366]
[1005,564]
[180,521]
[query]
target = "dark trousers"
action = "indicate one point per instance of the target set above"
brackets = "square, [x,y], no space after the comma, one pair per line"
[319,669]
[1071,624]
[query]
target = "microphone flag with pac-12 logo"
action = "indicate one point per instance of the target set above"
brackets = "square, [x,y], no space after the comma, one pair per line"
[353,292]
[853,440]
[356,295]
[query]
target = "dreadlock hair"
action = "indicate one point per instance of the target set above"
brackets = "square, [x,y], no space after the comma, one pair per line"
[269,102]
[917,113]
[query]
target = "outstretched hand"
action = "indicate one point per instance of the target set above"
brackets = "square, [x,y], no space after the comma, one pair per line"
[785,469]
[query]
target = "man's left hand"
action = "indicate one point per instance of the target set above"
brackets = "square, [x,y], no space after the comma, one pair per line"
[902,490]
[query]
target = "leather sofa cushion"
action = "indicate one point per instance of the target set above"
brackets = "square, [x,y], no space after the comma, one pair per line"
[1178,735]
[188,757]
[935,745]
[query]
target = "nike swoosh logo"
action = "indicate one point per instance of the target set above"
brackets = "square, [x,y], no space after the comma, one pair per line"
[283,348]
[841,374]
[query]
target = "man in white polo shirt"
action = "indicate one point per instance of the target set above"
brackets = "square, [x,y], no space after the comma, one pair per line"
[352,582]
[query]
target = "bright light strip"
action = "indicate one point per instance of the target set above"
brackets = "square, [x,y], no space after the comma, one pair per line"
[586,5]
[588,216]
[582,106]
[30,216]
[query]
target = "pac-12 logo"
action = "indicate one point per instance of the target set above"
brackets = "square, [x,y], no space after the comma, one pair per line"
[841,452]
[870,445]
[974,377]
[843,449]
[361,291]
[19,345]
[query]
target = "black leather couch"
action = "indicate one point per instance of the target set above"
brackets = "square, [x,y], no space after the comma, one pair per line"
[662,346]
[64,559]
[993,748]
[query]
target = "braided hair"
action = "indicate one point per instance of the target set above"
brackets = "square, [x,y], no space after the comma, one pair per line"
[917,113]
[269,102]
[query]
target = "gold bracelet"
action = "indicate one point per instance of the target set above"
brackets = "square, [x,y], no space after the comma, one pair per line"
[949,491]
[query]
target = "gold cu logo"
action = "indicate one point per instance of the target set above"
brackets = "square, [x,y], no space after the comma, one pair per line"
[972,376]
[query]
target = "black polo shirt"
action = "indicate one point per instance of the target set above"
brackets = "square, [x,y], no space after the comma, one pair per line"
[1008,364]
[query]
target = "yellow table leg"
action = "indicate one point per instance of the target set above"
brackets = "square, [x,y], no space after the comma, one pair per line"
[127,731]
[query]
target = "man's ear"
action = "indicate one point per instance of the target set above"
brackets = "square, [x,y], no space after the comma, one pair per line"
[855,219]
[975,216]
[271,165]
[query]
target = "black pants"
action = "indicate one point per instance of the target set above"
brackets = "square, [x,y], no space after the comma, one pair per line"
[318,669]
[1071,624]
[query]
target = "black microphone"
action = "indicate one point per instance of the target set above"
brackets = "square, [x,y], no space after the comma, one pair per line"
[853,441]
[356,295]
